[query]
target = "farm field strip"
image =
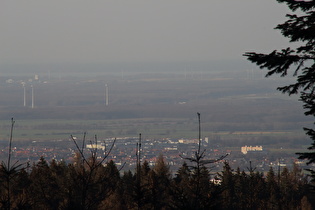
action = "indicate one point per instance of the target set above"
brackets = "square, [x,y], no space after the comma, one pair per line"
[149,127]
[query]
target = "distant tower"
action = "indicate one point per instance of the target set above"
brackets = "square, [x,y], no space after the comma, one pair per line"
[24,94]
[32,96]
[106,95]
[207,140]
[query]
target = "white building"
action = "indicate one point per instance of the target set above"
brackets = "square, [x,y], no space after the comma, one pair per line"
[246,149]
[95,146]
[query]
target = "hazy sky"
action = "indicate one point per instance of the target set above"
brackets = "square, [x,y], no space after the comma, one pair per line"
[76,31]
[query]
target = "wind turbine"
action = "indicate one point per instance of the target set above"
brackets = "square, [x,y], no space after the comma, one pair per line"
[106,95]
[24,94]
[32,96]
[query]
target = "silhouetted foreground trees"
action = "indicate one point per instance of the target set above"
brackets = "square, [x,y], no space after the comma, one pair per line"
[298,60]
[57,185]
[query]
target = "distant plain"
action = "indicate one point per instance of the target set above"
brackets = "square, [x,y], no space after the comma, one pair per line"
[239,105]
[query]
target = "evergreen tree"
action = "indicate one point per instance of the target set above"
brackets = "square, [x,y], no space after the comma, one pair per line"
[291,187]
[145,169]
[44,188]
[141,187]
[111,175]
[241,189]
[200,172]
[299,28]
[285,188]
[181,188]
[8,176]
[128,183]
[272,190]
[227,185]
[88,184]
[61,176]
[21,194]
[258,190]
[110,185]
[159,184]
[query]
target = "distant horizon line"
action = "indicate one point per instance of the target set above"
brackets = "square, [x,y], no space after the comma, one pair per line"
[242,59]
[222,65]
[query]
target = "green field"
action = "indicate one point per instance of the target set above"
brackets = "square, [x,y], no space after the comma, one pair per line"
[47,130]
[62,129]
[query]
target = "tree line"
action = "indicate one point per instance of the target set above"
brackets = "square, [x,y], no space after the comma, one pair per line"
[87,184]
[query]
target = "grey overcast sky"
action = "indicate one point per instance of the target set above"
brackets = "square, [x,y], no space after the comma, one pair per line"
[80,31]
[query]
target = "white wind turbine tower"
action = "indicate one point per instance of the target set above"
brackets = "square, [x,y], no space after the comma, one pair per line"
[24,94]
[32,96]
[106,94]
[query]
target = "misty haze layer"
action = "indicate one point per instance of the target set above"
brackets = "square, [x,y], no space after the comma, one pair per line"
[136,31]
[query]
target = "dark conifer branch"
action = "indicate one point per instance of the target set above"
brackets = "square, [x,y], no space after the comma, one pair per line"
[300,29]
